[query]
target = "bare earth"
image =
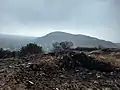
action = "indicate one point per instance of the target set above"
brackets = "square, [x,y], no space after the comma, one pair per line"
[49,72]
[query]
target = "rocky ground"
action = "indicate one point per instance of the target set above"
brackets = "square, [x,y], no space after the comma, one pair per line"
[73,71]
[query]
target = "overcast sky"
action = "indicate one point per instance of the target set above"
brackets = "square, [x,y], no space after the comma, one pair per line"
[97,18]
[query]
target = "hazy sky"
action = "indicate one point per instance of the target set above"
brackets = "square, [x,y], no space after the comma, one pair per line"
[97,18]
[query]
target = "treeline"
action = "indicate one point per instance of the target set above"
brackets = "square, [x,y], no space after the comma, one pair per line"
[33,48]
[30,48]
[7,53]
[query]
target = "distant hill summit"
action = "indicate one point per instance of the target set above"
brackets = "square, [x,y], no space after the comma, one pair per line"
[77,39]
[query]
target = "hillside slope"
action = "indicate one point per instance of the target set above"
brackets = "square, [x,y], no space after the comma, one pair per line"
[12,41]
[78,40]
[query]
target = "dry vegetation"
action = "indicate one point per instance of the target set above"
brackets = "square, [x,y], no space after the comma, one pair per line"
[113,58]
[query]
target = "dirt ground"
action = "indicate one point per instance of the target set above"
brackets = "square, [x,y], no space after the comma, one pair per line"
[46,72]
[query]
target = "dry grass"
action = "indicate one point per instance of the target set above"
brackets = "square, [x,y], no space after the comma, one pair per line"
[113,59]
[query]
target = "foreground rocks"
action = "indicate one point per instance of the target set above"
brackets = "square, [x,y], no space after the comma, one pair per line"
[71,71]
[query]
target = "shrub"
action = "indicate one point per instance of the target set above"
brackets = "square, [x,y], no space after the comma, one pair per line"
[57,46]
[31,48]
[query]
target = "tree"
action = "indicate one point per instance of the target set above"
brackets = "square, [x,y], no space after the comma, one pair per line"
[66,45]
[56,46]
[62,45]
[101,47]
[31,48]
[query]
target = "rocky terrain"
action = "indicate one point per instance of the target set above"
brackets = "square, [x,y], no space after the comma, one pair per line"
[59,71]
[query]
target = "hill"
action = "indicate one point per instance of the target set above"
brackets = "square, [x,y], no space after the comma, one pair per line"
[118,44]
[13,41]
[78,40]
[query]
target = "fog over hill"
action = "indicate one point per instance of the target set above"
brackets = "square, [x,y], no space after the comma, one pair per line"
[12,41]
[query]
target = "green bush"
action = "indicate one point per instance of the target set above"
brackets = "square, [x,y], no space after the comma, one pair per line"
[31,48]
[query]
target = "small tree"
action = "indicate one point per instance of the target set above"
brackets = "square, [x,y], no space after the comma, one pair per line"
[66,45]
[62,45]
[30,48]
[56,46]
